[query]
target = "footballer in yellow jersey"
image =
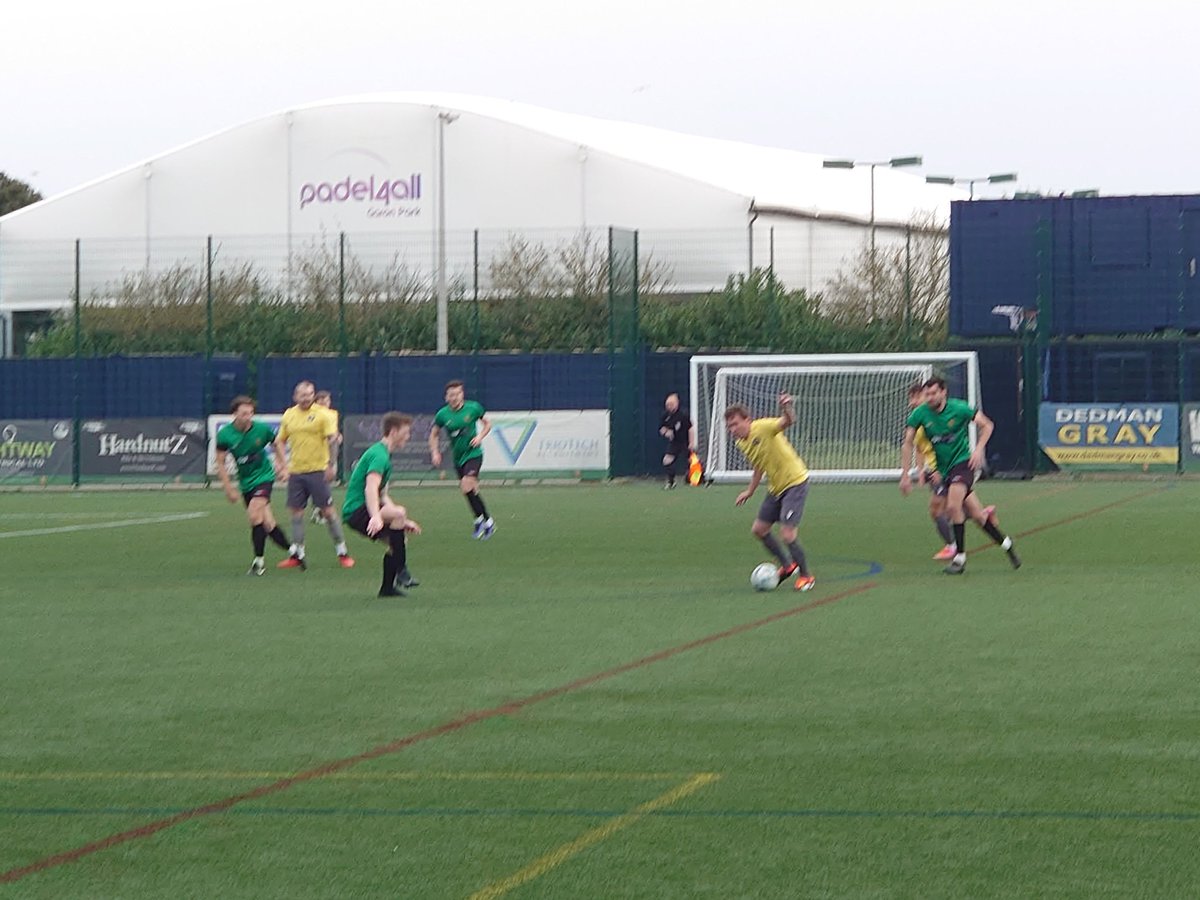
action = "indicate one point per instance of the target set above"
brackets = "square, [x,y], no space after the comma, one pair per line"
[309,431]
[763,443]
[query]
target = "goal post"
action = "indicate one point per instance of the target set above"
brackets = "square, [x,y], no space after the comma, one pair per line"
[850,407]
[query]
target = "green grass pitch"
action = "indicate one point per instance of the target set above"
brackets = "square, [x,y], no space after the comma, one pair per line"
[595,703]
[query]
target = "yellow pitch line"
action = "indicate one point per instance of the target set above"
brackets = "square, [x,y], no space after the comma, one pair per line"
[544,864]
[340,776]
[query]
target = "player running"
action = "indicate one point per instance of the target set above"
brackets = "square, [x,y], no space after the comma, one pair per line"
[460,417]
[927,473]
[946,422]
[251,443]
[763,444]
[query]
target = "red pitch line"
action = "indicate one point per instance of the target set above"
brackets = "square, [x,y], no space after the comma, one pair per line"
[1074,518]
[396,746]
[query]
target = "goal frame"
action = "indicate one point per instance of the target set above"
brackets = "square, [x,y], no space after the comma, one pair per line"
[816,362]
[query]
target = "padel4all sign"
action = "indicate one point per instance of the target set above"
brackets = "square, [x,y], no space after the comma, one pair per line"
[1141,437]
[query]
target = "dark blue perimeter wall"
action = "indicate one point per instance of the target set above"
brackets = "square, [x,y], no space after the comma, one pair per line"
[137,387]
[1096,266]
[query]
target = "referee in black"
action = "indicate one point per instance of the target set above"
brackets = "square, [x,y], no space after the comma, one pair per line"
[676,426]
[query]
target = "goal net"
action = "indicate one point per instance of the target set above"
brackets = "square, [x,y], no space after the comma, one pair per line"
[850,407]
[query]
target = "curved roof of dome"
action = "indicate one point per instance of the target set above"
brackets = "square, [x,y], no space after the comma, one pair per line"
[771,179]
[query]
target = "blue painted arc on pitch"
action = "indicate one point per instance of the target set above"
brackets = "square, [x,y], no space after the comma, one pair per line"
[870,567]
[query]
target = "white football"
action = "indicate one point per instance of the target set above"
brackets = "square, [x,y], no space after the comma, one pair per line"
[765,577]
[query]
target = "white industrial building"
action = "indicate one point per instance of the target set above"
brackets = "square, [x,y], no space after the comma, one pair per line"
[398,172]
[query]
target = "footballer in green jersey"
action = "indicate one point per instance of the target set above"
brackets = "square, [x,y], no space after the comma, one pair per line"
[946,422]
[371,512]
[466,424]
[250,443]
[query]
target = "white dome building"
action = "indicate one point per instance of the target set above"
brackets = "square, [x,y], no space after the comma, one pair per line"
[381,169]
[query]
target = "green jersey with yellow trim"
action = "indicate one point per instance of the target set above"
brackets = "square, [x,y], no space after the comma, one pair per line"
[949,431]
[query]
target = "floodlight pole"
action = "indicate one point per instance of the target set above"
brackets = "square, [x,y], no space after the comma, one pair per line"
[971,182]
[443,298]
[895,162]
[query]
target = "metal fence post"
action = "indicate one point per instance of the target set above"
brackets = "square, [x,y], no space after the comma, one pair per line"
[342,340]
[1043,239]
[76,400]
[208,327]
[475,309]
[908,292]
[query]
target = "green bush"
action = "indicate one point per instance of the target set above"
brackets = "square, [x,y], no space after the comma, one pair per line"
[541,299]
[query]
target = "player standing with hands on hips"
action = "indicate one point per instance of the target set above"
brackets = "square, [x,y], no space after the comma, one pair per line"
[763,444]
[462,418]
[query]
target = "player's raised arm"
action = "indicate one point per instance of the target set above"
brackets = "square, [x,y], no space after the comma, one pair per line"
[906,456]
[787,408]
[986,426]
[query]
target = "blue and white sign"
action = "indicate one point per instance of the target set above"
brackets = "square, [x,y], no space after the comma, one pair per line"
[1111,436]
[570,442]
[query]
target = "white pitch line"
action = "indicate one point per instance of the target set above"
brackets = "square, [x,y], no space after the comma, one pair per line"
[123,523]
[112,516]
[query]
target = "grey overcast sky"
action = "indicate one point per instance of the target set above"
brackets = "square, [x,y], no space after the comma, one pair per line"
[1071,95]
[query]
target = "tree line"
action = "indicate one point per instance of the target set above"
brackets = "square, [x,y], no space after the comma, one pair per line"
[540,298]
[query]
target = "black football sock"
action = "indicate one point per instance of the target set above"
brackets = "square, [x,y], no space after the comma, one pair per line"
[798,555]
[473,502]
[772,545]
[258,537]
[670,470]
[482,508]
[279,538]
[960,540]
[993,532]
[399,552]
[389,573]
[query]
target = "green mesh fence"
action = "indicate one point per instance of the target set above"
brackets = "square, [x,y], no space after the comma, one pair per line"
[625,354]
